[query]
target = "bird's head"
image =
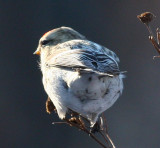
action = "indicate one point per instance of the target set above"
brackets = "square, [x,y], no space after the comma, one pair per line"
[56,36]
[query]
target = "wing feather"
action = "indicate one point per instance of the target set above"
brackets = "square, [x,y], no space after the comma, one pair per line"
[85,59]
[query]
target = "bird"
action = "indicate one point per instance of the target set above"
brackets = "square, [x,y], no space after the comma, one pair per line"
[78,74]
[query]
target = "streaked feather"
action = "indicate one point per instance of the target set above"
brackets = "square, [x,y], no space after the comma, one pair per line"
[90,57]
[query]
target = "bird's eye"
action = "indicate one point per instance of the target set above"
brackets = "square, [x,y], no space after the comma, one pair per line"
[44,42]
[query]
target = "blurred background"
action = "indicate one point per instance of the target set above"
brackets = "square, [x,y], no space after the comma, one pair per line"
[134,120]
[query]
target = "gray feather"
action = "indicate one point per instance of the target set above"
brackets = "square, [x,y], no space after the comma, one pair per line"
[85,59]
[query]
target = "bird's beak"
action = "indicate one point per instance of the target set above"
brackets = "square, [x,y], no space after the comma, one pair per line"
[37,52]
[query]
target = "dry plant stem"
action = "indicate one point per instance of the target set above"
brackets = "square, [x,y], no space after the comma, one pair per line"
[105,123]
[80,124]
[104,137]
[155,44]
[85,130]
[146,18]
[158,36]
[152,39]
[110,140]
[95,139]
[59,123]
[105,131]
[149,29]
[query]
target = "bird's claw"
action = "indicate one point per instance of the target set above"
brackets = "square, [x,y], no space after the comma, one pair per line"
[95,128]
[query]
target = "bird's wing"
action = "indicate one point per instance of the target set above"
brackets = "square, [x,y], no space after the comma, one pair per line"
[85,60]
[87,45]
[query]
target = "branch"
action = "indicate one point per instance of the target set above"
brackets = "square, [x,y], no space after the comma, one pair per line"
[81,123]
[146,18]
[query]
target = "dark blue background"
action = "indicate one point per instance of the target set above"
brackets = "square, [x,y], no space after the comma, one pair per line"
[134,121]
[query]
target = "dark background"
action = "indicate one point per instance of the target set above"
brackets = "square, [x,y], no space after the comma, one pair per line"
[134,121]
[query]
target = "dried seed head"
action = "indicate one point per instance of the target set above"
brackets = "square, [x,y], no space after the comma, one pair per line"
[146,17]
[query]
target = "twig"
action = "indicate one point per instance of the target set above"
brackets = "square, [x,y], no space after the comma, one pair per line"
[104,137]
[155,44]
[110,140]
[76,120]
[146,18]
[105,131]
[82,127]
[95,139]
[59,122]
[149,29]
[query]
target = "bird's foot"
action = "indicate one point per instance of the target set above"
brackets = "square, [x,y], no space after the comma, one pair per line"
[95,128]
[76,122]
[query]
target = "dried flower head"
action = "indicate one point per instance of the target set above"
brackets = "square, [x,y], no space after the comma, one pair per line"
[146,17]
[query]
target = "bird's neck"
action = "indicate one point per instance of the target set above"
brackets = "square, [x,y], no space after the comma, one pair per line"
[43,59]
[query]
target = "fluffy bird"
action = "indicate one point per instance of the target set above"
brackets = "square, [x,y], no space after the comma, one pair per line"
[78,74]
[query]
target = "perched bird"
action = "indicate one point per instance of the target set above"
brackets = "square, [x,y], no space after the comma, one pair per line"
[78,74]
